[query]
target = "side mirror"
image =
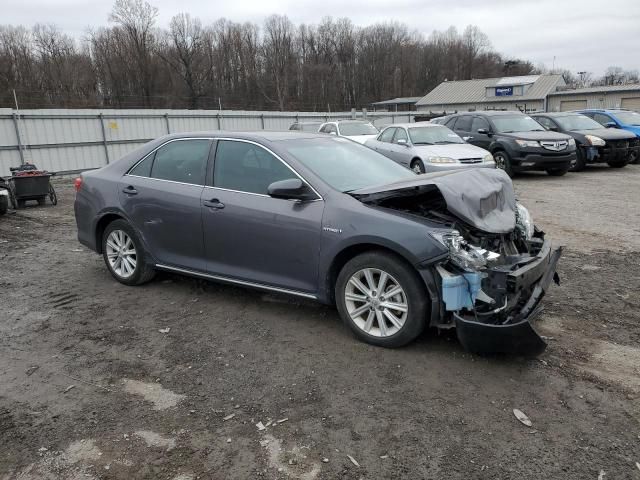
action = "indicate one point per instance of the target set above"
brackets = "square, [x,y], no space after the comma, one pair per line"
[553,129]
[483,131]
[332,133]
[611,125]
[402,141]
[290,189]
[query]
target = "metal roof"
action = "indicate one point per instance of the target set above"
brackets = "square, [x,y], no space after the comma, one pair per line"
[604,89]
[398,101]
[475,91]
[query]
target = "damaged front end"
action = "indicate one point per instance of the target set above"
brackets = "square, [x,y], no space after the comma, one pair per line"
[499,265]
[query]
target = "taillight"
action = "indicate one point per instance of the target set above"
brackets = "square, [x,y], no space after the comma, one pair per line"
[77,184]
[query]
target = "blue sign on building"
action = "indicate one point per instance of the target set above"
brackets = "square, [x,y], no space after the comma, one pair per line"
[504,91]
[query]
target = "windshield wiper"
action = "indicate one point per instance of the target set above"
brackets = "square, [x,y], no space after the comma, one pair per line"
[422,143]
[445,142]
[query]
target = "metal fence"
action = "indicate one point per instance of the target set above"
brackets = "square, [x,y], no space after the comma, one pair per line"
[67,141]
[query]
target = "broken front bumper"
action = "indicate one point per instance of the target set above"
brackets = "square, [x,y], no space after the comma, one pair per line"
[517,335]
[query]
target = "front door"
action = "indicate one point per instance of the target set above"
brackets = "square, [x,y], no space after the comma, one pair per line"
[161,196]
[250,236]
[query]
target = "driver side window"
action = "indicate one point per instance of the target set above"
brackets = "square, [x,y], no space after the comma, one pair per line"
[545,122]
[245,167]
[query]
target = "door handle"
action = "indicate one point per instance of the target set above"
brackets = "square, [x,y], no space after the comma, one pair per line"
[214,203]
[130,190]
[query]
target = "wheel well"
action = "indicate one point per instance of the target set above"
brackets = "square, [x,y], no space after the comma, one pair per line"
[102,225]
[414,160]
[347,254]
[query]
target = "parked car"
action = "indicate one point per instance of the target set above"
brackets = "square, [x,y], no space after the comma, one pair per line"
[623,119]
[516,140]
[425,147]
[595,143]
[305,126]
[327,219]
[357,130]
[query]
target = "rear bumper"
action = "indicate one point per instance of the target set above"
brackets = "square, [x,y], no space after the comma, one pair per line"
[535,161]
[515,335]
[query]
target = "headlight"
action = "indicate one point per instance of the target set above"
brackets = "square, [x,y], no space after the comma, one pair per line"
[595,141]
[460,252]
[488,158]
[528,143]
[572,142]
[441,160]
[524,222]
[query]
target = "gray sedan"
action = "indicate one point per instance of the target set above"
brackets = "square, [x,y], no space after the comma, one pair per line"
[325,218]
[426,147]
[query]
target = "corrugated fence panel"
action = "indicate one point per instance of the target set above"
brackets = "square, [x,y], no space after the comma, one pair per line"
[76,136]
[67,158]
[8,158]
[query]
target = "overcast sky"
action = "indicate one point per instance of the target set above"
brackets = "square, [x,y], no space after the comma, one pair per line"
[582,34]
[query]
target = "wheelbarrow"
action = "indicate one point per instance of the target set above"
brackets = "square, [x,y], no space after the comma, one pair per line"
[29,183]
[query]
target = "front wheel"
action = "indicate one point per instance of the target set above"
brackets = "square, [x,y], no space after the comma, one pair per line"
[617,164]
[123,254]
[381,299]
[557,172]
[579,163]
[503,162]
[418,166]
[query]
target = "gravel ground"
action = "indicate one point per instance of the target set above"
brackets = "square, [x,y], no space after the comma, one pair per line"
[168,380]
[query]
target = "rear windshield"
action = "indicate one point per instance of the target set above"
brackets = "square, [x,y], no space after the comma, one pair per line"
[516,123]
[349,129]
[577,122]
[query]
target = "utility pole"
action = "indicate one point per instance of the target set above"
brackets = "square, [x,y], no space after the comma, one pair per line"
[582,75]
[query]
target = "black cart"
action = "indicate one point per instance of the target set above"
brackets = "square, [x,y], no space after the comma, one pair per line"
[29,183]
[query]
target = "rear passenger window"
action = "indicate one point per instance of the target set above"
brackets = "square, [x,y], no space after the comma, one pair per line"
[182,161]
[387,135]
[143,169]
[464,124]
[246,167]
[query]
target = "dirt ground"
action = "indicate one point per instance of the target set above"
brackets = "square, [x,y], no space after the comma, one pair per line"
[170,380]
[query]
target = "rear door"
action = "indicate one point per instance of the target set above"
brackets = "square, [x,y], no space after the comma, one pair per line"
[161,196]
[250,236]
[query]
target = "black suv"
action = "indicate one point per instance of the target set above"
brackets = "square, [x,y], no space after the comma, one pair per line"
[595,143]
[516,141]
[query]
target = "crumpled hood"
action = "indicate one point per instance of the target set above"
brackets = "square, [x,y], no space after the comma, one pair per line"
[483,198]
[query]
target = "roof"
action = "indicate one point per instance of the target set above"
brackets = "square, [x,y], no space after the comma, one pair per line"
[553,114]
[398,101]
[348,121]
[475,91]
[604,89]
[413,125]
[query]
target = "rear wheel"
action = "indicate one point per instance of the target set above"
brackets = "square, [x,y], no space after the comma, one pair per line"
[22,203]
[503,161]
[42,200]
[418,166]
[579,163]
[123,254]
[382,299]
[557,172]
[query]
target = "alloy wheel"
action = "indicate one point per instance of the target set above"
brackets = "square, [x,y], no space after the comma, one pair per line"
[121,253]
[376,302]
[500,161]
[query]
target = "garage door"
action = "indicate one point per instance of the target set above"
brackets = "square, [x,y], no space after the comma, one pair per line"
[566,105]
[632,103]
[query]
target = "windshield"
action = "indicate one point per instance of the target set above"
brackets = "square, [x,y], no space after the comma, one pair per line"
[349,129]
[516,123]
[433,136]
[310,127]
[344,164]
[577,122]
[628,118]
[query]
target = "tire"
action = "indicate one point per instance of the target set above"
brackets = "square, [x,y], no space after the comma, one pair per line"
[634,158]
[4,204]
[42,200]
[617,164]
[53,197]
[373,325]
[579,163]
[503,162]
[143,271]
[557,172]
[22,203]
[417,166]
